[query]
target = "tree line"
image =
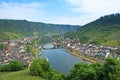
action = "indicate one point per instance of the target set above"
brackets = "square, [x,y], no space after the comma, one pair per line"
[109,70]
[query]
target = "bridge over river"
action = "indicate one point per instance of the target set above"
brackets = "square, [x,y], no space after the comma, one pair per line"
[48,46]
[49,41]
[58,58]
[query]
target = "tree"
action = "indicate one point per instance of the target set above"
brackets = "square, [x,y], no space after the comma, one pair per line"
[82,71]
[1,68]
[15,66]
[28,49]
[111,69]
[98,70]
[40,67]
[32,50]
[2,46]
[55,75]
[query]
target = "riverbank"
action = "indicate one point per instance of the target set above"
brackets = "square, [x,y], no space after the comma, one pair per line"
[82,56]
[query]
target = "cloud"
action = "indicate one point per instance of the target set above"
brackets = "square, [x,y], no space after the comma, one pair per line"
[65,20]
[93,6]
[14,10]
[75,2]
[60,20]
[93,9]
[33,12]
[79,11]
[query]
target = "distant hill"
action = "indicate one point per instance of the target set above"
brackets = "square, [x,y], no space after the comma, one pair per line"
[19,28]
[105,31]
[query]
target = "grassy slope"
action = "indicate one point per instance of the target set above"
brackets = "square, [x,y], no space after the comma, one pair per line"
[112,39]
[104,31]
[18,28]
[19,75]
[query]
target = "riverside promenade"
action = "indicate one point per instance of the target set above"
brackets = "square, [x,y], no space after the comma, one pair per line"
[82,57]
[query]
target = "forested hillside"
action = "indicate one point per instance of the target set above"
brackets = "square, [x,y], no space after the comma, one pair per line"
[105,31]
[19,28]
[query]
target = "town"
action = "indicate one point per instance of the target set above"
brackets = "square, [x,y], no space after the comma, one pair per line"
[25,50]
[19,50]
[90,52]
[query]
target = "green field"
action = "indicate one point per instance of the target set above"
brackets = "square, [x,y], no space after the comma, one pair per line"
[18,75]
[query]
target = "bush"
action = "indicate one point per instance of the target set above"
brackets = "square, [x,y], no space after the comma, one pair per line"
[15,66]
[2,46]
[110,70]
[55,75]
[40,67]
[1,68]
[4,68]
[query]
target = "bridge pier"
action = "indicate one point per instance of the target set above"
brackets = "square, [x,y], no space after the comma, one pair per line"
[42,46]
[55,46]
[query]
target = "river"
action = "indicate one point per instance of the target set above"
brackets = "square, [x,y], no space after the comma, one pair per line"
[60,60]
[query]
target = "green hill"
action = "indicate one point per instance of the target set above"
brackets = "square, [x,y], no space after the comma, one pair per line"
[19,28]
[105,31]
[18,75]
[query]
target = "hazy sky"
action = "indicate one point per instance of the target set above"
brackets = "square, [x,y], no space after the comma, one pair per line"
[77,12]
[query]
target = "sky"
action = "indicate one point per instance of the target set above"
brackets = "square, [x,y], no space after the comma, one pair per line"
[74,12]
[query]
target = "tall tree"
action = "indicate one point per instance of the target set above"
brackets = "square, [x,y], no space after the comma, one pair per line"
[111,69]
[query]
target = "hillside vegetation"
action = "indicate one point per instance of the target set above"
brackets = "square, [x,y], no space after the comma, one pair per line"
[18,28]
[109,70]
[18,75]
[104,31]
